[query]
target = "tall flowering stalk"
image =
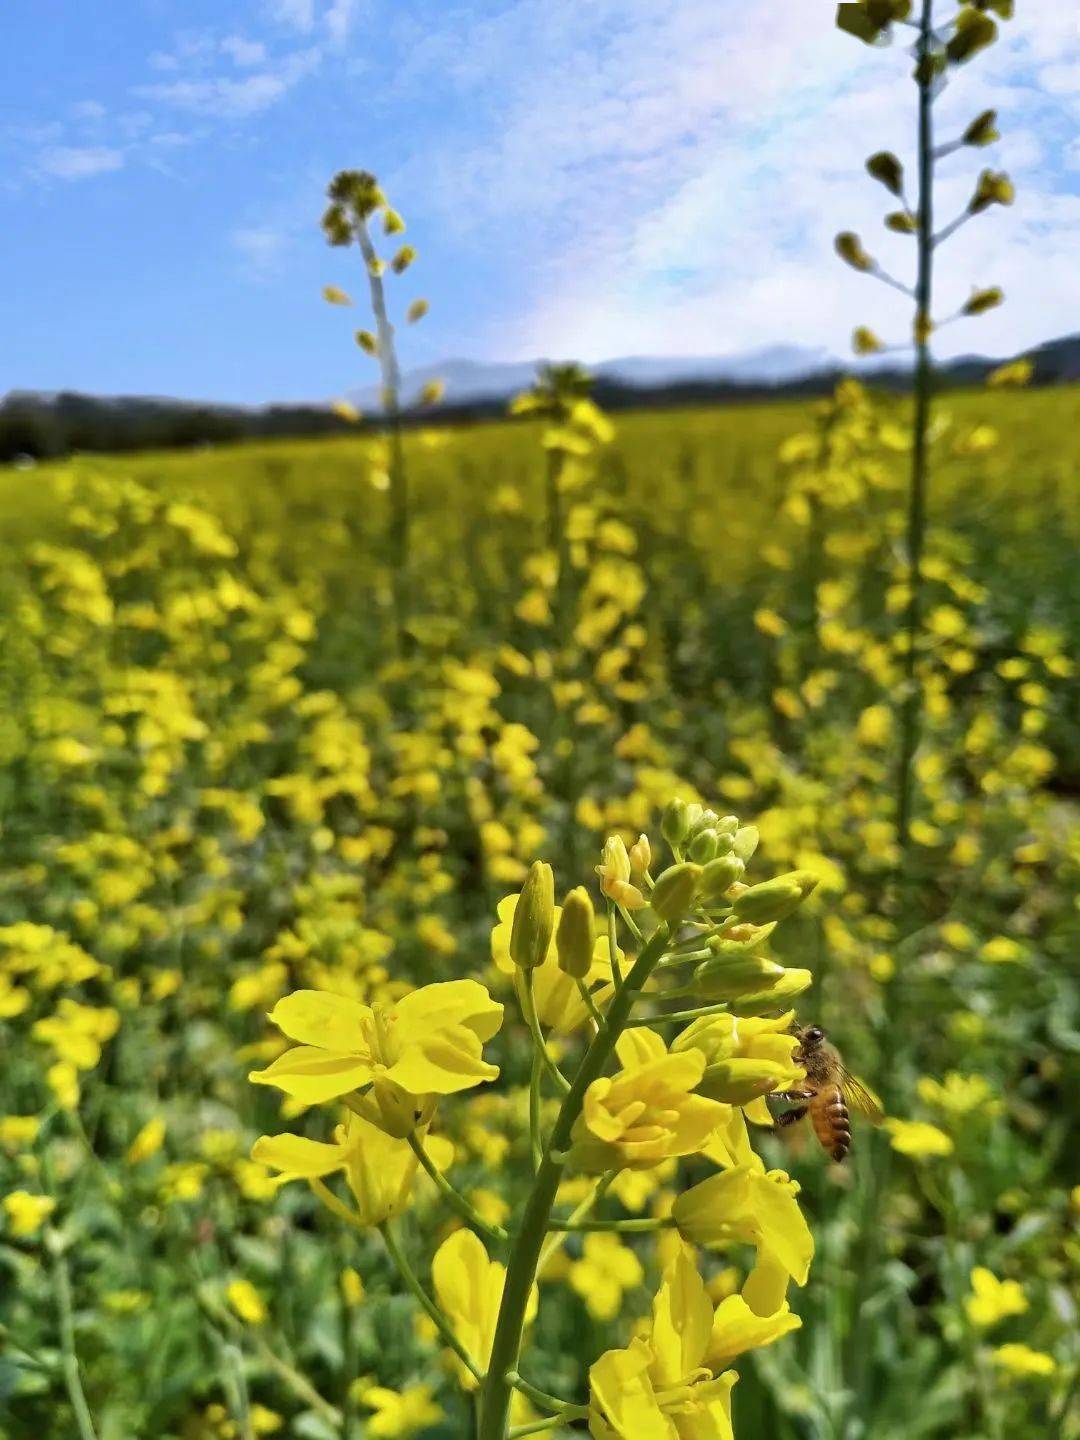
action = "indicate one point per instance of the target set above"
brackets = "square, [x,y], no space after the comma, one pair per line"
[673,1018]
[941,46]
[356,199]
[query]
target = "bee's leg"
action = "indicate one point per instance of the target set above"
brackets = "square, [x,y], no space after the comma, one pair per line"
[791,1096]
[789,1117]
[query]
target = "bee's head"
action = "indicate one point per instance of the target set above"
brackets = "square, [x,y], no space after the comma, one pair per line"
[810,1036]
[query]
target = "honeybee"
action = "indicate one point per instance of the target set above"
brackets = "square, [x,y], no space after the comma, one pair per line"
[831,1092]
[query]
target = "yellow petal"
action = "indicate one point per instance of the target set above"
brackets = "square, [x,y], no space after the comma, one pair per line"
[449,1003]
[682,1322]
[735,1329]
[314,1075]
[316,1017]
[297,1157]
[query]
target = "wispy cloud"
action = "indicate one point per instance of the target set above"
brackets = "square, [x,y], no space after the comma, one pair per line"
[262,250]
[75,162]
[234,97]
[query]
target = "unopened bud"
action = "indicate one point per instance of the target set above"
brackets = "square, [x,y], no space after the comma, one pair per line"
[774,899]
[640,856]
[576,934]
[850,249]
[745,842]
[674,890]
[704,846]
[719,875]
[534,918]
[993,188]
[982,130]
[886,168]
[675,824]
[730,976]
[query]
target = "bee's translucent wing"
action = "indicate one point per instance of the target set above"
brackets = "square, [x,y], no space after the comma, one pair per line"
[861,1098]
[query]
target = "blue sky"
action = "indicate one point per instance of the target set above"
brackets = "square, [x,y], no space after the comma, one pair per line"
[582,178]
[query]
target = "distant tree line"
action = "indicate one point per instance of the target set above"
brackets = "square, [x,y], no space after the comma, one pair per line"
[49,426]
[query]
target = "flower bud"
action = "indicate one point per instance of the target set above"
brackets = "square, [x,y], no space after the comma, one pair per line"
[534,918]
[727,825]
[704,846]
[576,934]
[719,874]
[779,991]
[902,221]
[982,130]
[614,873]
[674,890]
[640,856]
[886,168]
[974,31]
[730,976]
[865,342]
[745,842]
[983,300]
[850,249]
[774,899]
[675,825]
[993,188]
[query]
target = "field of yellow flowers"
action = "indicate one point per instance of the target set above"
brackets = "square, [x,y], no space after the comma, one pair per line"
[240,758]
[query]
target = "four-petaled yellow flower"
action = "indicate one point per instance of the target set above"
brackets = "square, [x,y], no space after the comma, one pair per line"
[747,1203]
[26,1213]
[429,1043]
[646,1113]
[607,1268]
[400,1413]
[379,1168]
[661,1388]
[746,1057]
[992,1300]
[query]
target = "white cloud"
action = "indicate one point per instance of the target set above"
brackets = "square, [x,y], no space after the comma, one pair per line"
[244,52]
[339,18]
[300,14]
[670,178]
[75,162]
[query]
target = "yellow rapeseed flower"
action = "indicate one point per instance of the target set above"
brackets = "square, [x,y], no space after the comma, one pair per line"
[429,1043]
[606,1269]
[992,1300]
[1021,1362]
[26,1213]
[646,1113]
[469,1289]
[918,1139]
[246,1301]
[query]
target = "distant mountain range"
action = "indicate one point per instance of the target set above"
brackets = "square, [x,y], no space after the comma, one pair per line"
[36,424]
[470,381]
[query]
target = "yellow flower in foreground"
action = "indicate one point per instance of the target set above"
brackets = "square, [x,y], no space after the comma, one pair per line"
[469,1288]
[918,1139]
[400,1413]
[246,1301]
[745,1056]
[429,1043]
[660,1388]
[614,873]
[607,1268]
[749,1204]
[26,1213]
[1020,1362]
[647,1112]
[992,1299]
[558,1001]
[380,1168]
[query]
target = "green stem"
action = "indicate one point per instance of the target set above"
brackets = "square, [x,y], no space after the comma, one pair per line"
[537,1427]
[528,1009]
[543,1399]
[438,1319]
[721,1008]
[613,945]
[69,1355]
[452,1194]
[535,1139]
[590,1004]
[911,711]
[533,1227]
[643,1226]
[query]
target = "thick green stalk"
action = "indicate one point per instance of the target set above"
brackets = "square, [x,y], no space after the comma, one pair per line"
[69,1355]
[521,1271]
[911,711]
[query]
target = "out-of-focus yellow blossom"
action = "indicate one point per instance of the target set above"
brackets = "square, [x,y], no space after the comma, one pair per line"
[646,1113]
[399,1414]
[1021,1362]
[77,1032]
[17,1131]
[918,1139]
[1001,950]
[352,1286]
[469,1287]
[265,1421]
[959,1095]
[661,1388]
[429,1043]
[26,1213]
[606,1269]
[246,1301]
[992,1300]
[147,1142]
